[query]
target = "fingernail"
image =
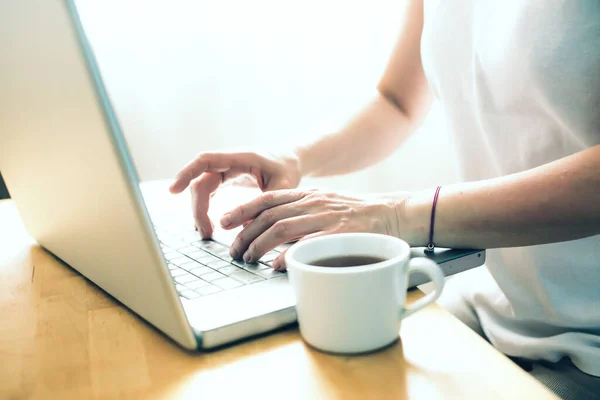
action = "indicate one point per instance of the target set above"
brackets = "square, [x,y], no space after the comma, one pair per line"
[247,257]
[202,233]
[234,252]
[276,264]
[225,220]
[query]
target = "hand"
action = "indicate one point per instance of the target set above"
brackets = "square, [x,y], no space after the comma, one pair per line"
[286,215]
[208,171]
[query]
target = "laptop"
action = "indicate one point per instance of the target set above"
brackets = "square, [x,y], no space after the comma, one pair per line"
[64,158]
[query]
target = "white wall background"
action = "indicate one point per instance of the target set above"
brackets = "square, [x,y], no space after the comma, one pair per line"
[187,76]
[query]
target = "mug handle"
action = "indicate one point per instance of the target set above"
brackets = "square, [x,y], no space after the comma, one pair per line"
[434,272]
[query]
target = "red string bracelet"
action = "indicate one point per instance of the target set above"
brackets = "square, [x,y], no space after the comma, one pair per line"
[431,246]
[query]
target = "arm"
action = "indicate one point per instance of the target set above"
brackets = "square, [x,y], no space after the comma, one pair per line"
[555,202]
[401,102]
[558,201]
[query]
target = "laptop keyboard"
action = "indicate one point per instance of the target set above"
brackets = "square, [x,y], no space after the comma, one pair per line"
[202,267]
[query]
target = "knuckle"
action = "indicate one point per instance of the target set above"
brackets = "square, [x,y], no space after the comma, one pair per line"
[196,184]
[307,196]
[267,198]
[267,218]
[318,200]
[345,219]
[280,229]
[201,158]
[309,205]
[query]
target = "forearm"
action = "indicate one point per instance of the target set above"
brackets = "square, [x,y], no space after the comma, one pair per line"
[556,202]
[378,130]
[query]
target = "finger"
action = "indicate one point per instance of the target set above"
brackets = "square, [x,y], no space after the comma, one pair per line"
[277,184]
[244,180]
[286,230]
[260,224]
[201,190]
[213,162]
[253,208]
[279,263]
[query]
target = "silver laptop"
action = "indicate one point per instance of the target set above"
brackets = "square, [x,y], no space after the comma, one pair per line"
[66,164]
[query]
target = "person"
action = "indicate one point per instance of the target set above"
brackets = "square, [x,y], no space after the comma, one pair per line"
[519,85]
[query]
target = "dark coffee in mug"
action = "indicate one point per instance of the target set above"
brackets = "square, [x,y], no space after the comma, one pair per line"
[346,261]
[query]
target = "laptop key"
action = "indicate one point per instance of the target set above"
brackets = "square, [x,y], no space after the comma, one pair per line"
[269,273]
[197,284]
[190,294]
[177,272]
[179,260]
[217,264]
[270,256]
[229,269]
[227,283]
[200,255]
[227,258]
[215,249]
[213,276]
[250,266]
[190,236]
[180,287]
[172,255]
[183,279]
[206,244]
[202,270]
[221,252]
[245,277]
[239,263]
[187,249]
[210,289]
[190,265]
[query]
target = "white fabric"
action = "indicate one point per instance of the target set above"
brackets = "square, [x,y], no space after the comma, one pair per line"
[519,82]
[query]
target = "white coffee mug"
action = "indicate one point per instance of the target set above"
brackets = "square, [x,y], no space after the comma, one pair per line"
[355,309]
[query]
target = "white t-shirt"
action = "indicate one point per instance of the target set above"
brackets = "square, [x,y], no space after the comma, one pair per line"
[519,84]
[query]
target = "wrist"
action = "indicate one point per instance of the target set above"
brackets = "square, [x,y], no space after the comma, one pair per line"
[301,154]
[293,166]
[414,217]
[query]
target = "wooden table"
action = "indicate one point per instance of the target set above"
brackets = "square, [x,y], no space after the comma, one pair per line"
[62,337]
